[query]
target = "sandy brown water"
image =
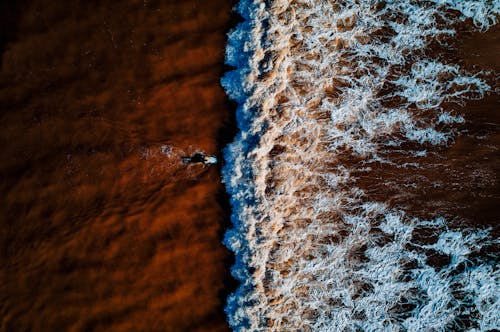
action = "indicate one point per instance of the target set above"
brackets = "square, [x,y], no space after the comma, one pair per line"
[459,181]
[100,230]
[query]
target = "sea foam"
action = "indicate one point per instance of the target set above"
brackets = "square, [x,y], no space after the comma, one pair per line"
[319,84]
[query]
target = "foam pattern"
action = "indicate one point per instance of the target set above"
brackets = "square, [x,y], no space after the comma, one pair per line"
[318,83]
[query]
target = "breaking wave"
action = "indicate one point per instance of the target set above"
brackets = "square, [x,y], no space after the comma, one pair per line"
[326,89]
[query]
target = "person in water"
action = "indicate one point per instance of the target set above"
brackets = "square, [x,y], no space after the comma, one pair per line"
[199,158]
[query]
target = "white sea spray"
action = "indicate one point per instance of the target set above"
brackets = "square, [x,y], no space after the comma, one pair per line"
[317,81]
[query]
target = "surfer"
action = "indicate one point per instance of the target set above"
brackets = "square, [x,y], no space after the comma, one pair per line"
[200,158]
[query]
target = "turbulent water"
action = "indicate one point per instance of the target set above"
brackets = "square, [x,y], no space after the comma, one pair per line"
[328,92]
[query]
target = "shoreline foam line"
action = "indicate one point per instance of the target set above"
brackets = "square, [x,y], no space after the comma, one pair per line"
[325,89]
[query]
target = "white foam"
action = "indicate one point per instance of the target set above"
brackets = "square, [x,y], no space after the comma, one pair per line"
[315,83]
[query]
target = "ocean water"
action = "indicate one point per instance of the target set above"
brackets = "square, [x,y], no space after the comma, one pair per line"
[329,93]
[102,227]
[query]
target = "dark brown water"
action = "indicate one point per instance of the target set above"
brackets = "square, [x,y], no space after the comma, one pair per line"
[99,229]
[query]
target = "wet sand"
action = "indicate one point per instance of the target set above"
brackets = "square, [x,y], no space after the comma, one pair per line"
[101,227]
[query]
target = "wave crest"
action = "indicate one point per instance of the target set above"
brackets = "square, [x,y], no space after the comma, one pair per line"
[319,84]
